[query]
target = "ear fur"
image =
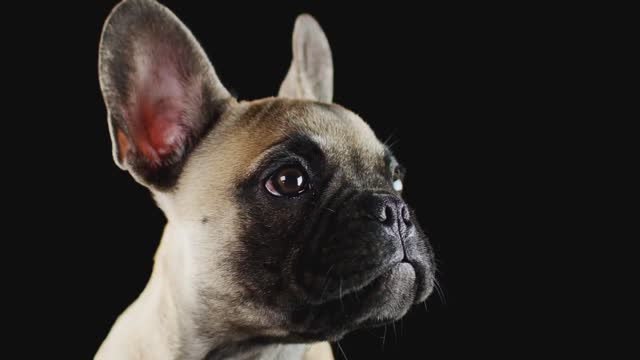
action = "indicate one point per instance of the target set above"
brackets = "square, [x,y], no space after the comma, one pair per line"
[161,92]
[311,73]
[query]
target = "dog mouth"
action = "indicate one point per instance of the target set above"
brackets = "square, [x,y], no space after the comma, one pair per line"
[319,289]
[383,299]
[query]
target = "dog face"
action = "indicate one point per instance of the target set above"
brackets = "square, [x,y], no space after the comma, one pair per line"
[289,209]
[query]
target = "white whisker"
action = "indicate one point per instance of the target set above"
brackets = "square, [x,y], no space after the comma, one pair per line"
[342,351]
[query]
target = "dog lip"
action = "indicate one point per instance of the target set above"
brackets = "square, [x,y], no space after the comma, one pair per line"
[376,279]
[380,279]
[402,267]
[362,286]
[384,299]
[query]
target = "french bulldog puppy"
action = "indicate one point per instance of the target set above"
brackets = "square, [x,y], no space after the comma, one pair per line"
[286,225]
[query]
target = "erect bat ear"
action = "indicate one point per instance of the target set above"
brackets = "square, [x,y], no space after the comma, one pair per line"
[311,73]
[161,92]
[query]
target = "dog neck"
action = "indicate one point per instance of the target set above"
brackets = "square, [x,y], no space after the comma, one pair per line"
[160,324]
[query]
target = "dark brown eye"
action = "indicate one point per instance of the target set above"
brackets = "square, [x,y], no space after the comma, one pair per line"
[288,181]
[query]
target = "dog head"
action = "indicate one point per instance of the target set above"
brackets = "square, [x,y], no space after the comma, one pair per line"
[289,210]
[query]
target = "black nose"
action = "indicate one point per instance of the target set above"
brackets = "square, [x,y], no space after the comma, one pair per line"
[389,210]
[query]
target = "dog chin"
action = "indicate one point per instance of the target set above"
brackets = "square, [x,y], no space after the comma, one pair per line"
[385,299]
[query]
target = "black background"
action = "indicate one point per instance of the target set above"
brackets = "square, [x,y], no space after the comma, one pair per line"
[462,90]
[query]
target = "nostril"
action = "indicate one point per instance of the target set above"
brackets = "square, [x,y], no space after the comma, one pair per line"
[388,210]
[389,217]
[406,215]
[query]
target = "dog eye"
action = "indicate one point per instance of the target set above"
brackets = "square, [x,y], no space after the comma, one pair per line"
[287,181]
[397,179]
[397,185]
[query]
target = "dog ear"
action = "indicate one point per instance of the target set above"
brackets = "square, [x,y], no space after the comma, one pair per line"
[311,73]
[161,92]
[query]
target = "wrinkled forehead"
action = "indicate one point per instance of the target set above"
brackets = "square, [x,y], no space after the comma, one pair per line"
[249,136]
[342,136]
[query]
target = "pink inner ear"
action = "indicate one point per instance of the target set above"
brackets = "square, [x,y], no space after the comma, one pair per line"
[160,133]
[157,125]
